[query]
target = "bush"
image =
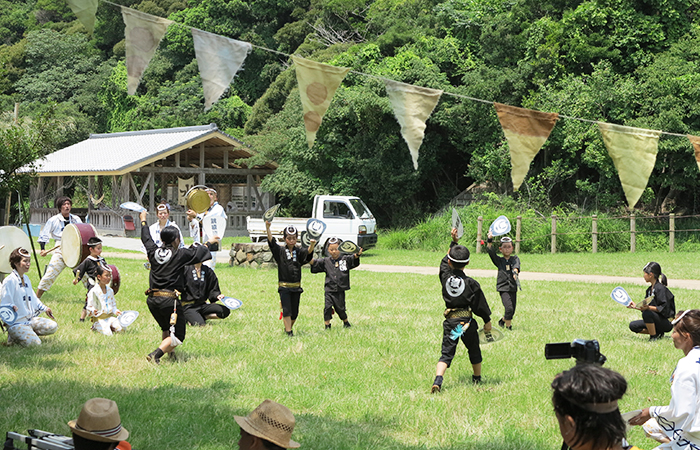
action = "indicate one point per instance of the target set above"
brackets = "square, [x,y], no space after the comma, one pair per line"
[573,229]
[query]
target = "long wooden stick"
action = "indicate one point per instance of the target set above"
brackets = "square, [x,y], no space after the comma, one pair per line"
[49,251]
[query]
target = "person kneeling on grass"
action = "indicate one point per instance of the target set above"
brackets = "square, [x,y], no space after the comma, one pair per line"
[201,284]
[18,294]
[104,319]
[268,427]
[585,403]
[463,298]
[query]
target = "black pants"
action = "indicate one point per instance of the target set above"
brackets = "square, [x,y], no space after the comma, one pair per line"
[470,338]
[197,314]
[509,300]
[663,325]
[290,302]
[335,300]
[161,308]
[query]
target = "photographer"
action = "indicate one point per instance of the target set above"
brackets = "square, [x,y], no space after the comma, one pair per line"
[585,403]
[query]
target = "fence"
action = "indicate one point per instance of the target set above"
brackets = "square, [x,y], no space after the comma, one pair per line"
[594,233]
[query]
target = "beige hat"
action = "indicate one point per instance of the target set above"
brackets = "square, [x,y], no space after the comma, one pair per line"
[99,421]
[272,422]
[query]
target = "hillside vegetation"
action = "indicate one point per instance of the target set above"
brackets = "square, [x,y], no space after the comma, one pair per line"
[632,62]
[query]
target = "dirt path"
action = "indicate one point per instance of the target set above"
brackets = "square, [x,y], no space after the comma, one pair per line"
[223,258]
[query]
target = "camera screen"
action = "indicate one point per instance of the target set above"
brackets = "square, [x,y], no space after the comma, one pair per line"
[559,350]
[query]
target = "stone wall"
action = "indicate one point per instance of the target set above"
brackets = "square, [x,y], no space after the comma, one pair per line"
[252,255]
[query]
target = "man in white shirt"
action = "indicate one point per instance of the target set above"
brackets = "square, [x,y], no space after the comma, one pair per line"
[215,211]
[53,229]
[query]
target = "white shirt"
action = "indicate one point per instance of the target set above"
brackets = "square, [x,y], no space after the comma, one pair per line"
[681,418]
[155,230]
[18,292]
[104,300]
[53,229]
[215,210]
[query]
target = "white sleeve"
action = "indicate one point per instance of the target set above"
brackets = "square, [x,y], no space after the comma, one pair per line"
[8,293]
[91,300]
[682,408]
[194,229]
[45,233]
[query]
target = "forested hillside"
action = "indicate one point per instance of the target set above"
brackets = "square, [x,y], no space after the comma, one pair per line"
[629,62]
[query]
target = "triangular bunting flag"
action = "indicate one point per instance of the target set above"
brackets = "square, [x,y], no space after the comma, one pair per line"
[317,85]
[526,131]
[412,107]
[695,140]
[219,58]
[85,10]
[143,34]
[633,151]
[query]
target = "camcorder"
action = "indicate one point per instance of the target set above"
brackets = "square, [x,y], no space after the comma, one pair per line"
[583,350]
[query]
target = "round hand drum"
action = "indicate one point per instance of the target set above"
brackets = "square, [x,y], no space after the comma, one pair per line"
[197,199]
[74,243]
[11,237]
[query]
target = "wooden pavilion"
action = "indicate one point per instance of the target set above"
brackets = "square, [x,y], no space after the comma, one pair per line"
[147,167]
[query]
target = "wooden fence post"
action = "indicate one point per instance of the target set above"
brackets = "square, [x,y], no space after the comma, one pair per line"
[554,233]
[479,225]
[633,233]
[594,235]
[518,228]
[671,232]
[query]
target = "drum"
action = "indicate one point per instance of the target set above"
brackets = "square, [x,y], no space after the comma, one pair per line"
[115,278]
[74,243]
[197,199]
[11,237]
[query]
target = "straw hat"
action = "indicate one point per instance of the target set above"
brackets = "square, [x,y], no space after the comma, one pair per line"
[99,421]
[272,422]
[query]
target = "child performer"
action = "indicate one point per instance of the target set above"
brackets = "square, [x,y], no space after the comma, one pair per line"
[676,425]
[661,308]
[337,270]
[87,269]
[463,298]
[201,284]
[101,295]
[506,283]
[289,272]
[17,292]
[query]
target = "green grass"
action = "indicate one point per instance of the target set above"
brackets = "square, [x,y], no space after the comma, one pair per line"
[362,388]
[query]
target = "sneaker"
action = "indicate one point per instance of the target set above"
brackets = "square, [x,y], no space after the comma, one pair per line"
[290,333]
[328,327]
[82,320]
[435,388]
[656,337]
[501,322]
[510,328]
[346,325]
[172,356]
[151,357]
[476,379]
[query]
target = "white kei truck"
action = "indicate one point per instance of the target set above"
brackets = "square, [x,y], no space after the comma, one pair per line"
[347,218]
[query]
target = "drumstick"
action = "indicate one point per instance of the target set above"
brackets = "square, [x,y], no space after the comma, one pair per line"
[49,251]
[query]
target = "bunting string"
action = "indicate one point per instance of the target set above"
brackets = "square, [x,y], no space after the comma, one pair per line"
[633,150]
[452,94]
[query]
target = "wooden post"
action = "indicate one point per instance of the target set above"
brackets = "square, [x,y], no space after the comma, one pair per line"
[116,197]
[594,234]
[479,226]
[671,232]
[202,176]
[91,190]
[633,233]
[59,186]
[518,228]
[554,233]
[152,190]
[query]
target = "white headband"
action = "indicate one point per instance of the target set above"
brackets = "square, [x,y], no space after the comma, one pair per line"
[679,318]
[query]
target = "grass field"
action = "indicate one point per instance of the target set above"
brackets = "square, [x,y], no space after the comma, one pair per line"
[362,388]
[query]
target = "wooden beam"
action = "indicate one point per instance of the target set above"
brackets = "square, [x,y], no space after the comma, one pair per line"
[151,191]
[115,192]
[202,176]
[209,171]
[177,159]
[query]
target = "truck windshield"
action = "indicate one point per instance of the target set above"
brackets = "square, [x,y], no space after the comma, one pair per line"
[361,209]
